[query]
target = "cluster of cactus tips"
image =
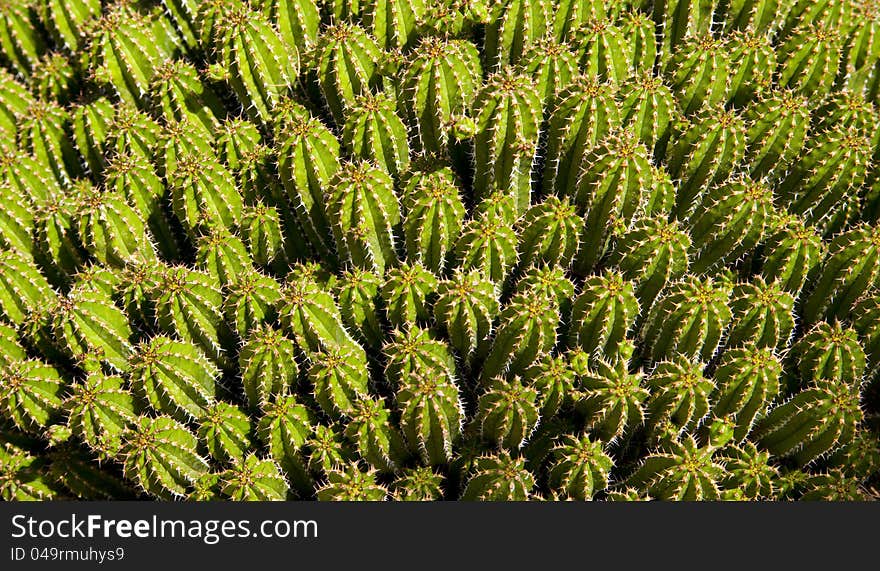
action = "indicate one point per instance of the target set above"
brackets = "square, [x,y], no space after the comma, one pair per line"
[439,249]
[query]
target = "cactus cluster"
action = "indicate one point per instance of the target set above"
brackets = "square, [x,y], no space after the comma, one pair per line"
[439,249]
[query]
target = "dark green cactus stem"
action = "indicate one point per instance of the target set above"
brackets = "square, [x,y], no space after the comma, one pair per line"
[815,421]
[250,302]
[99,409]
[58,251]
[22,476]
[226,432]
[679,396]
[866,320]
[698,73]
[298,21]
[615,185]
[507,114]
[851,269]
[42,132]
[809,59]
[690,318]
[79,473]
[203,195]
[648,107]
[437,87]
[327,450]
[431,416]
[568,16]
[10,348]
[393,22]
[374,132]
[603,51]
[487,244]
[351,484]
[131,130]
[311,314]
[31,394]
[705,153]
[680,470]
[554,379]
[16,220]
[830,352]
[182,14]
[21,42]
[308,159]
[729,221]
[407,293]
[376,439]
[752,62]
[499,477]
[223,256]
[580,468]
[261,66]
[357,292]
[465,309]
[747,381]
[611,399]
[777,130]
[586,112]
[553,65]
[53,77]
[761,15]
[418,485]
[111,229]
[763,314]
[85,321]
[252,479]
[434,214]
[750,474]
[548,281]
[821,185]
[284,427]
[175,377]
[134,177]
[161,456]
[508,413]
[340,379]
[178,93]
[602,315]
[122,55]
[348,65]
[526,329]
[681,20]
[23,288]
[68,21]
[15,99]
[791,252]
[364,211]
[267,364]
[651,254]
[415,352]
[549,233]
[190,306]
[513,25]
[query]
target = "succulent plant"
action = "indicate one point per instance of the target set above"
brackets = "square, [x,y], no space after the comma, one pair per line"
[498,477]
[435,250]
[611,399]
[747,380]
[160,455]
[679,395]
[690,319]
[580,468]
[816,420]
